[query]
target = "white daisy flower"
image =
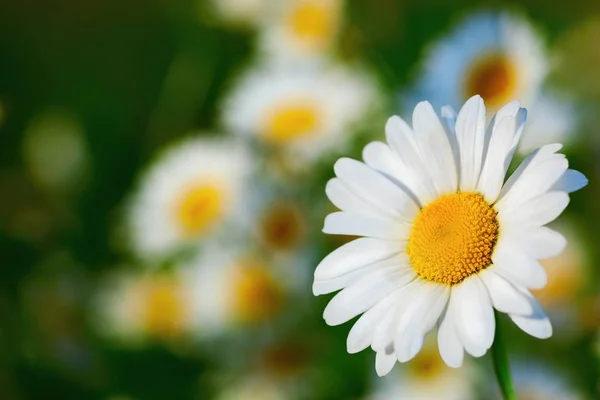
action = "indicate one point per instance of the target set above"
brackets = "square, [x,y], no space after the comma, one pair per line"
[192,190]
[427,377]
[303,111]
[447,240]
[132,307]
[500,57]
[301,29]
[238,290]
[496,55]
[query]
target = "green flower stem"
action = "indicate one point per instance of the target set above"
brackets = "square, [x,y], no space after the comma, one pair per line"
[501,367]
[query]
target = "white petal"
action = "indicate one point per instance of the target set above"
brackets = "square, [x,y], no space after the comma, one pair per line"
[451,349]
[419,319]
[324,286]
[537,325]
[532,178]
[400,137]
[380,157]
[538,211]
[540,242]
[506,129]
[516,266]
[361,334]
[375,188]
[570,181]
[384,362]
[474,316]
[470,134]
[364,294]
[431,139]
[353,255]
[345,200]
[345,223]
[505,297]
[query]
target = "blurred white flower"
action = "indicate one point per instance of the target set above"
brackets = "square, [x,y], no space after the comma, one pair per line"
[501,57]
[306,112]
[426,377]
[133,307]
[192,190]
[496,55]
[55,151]
[238,290]
[538,382]
[254,386]
[300,30]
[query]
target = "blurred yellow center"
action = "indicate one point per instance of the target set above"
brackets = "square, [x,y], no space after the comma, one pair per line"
[426,365]
[257,295]
[164,308]
[453,237]
[282,227]
[313,20]
[288,122]
[494,77]
[198,208]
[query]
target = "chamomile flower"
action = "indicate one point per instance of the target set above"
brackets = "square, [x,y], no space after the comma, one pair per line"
[501,57]
[306,112]
[496,55]
[301,29]
[446,239]
[132,307]
[427,377]
[238,290]
[192,190]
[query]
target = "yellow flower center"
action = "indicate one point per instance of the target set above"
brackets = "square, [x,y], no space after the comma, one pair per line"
[453,237]
[494,77]
[198,208]
[282,227]
[257,295]
[314,21]
[427,364]
[164,308]
[288,122]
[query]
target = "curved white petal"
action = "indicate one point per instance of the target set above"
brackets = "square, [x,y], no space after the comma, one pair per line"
[570,181]
[537,325]
[505,131]
[505,297]
[449,344]
[516,266]
[324,286]
[361,334]
[419,319]
[380,157]
[384,362]
[474,315]
[539,242]
[431,139]
[345,223]
[375,188]
[400,137]
[470,134]
[364,294]
[345,200]
[355,254]
[538,175]
[538,211]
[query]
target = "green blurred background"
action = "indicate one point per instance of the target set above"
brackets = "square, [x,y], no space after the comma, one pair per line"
[137,75]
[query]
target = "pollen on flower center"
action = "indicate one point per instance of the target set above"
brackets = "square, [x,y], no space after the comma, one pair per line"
[493,77]
[313,20]
[198,207]
[164,308]
[291,121]
[257,296]
[453,237]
